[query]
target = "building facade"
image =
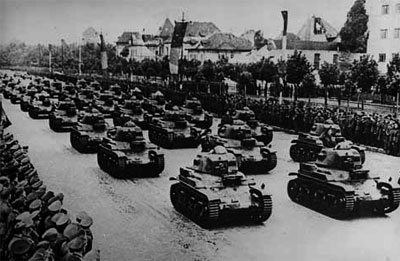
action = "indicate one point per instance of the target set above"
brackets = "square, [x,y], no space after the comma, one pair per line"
[384,31]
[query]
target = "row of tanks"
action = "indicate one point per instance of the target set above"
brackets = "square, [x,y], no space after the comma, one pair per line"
[215,189]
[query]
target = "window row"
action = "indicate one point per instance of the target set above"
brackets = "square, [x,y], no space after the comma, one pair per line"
[382,57]
[386,9]
[385,33]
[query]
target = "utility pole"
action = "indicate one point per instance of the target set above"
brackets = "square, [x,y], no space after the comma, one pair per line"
[50,58]
[80,59]
[39,55]
[62,55]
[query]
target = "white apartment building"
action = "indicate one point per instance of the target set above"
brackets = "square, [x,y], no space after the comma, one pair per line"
[384,31]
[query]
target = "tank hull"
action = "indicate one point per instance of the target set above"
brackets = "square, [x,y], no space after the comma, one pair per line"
[37,113]
[337,201]
[262,166]
[62,124]
[169,140]
[82,142]
[208,213]
[202,124]
[118,168]
[303,151]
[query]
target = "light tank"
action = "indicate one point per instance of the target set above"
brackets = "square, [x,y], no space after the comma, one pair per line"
[105,104]
[86,136]
[260,131]
[131,110]
[307,146]
[336,185]
[126,154]
[64,116]
[9,88]
[196,114]
[17,94]
[68,92]
[253,156]
[173,131]
[27,98]
[155,105]
[83,98]
[213,192]
[40,106]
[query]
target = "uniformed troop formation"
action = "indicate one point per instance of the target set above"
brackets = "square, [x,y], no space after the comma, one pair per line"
[216,188]
[34,225]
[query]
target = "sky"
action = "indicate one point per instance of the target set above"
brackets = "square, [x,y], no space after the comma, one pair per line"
[49,21]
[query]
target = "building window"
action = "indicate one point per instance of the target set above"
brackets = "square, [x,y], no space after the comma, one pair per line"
[397,33]
[317,58]
[335,58]
[385,9]
[398,8]
[232,55]
[395,55]
[382,57]
[384,33]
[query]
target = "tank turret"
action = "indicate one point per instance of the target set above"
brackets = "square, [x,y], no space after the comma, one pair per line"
[338,186]
[213,192]
[322,135]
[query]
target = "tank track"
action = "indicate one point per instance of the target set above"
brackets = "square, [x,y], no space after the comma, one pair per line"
[195,206]
[395,201]
[266,209]
[333,202]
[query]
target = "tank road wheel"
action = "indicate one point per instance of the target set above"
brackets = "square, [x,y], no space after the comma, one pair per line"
[393,196]
[394,199]
[272,161]
[294,153]
[342,206]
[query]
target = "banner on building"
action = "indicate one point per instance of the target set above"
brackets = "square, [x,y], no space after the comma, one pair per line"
[285,22]
[104,59]
[176,46]
[318,26]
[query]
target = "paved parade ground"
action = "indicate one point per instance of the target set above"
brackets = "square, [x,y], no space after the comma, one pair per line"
[135,220]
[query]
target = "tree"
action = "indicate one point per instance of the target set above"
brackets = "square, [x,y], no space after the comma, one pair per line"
[364,73]
[354,32]
[393,74]
[329,74]
[309,85]
[297,68]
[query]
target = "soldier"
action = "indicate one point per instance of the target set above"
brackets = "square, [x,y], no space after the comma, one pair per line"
[5,210]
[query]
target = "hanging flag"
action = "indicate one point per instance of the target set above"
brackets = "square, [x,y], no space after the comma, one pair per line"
[176,45]
[285,22]
[104,62]
[318,26]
